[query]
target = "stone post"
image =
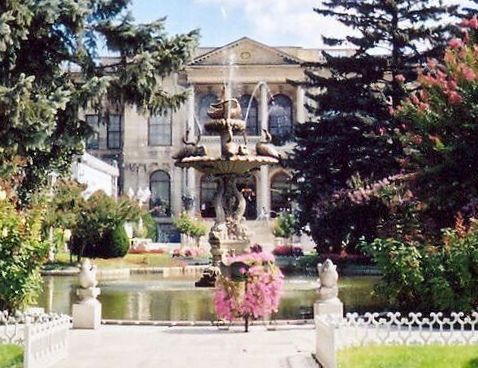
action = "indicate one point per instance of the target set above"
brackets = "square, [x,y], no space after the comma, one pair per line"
[87,313]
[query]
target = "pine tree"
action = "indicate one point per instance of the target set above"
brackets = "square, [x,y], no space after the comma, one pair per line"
[40,41]
[348,143]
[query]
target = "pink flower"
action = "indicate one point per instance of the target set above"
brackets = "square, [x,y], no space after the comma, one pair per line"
[473,22]
[415,100]
[400,78]
[423,106]
[454,98]
[469,74]
[455,43]
[432,63]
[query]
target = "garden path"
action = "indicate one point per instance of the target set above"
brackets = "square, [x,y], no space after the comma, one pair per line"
[288,346]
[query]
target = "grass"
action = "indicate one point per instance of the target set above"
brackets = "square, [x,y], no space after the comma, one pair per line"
[128,261]
[11,356]
[432,356]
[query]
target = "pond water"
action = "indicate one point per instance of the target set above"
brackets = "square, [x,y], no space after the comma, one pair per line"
[154,297]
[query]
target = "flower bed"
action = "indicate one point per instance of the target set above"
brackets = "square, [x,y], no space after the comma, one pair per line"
[189,252]
[288,251]
[249,287]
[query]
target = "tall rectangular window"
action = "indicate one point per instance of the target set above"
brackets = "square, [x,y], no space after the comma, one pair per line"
[113,129]
[93,141]
[159,130]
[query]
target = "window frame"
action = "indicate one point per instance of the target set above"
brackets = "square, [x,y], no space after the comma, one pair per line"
[109,132]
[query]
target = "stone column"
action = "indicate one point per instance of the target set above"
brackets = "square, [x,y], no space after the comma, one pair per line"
[191,110]
[264,194]
[190,184]
[264,108]
[300,101]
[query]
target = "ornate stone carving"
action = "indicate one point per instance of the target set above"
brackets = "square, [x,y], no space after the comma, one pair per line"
[328,277]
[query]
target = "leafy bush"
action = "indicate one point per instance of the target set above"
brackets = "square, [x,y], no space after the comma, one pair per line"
[99,231]
[288,251]
[429,278]
[189,226]
[22,252]
[284,225]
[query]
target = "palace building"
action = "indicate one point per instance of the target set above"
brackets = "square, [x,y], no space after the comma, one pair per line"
[258,76]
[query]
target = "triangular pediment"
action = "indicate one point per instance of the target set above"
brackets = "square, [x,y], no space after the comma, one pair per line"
[245,51]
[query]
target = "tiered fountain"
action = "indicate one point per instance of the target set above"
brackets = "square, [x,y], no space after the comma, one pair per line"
[229,234]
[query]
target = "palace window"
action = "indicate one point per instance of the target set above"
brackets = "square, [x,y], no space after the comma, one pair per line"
[208,190]
[280,118]
[203,106]
[252,123]
[160,186]
[93,142]
[159,130]
[113,131]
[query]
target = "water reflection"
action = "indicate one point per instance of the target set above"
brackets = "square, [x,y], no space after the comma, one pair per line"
[152,297]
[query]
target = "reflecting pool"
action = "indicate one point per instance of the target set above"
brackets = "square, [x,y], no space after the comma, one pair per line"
[154,297]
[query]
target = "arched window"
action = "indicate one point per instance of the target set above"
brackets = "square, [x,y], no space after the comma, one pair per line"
[280,185]
[160,186]
[208,190]
[247,187]
[280,118]
[159,130]
[204,103]
[252,124]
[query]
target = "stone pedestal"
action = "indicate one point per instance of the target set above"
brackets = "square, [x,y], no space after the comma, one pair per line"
[333,307]
[87,313]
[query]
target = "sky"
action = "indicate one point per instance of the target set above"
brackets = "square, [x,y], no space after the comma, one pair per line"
[273,22]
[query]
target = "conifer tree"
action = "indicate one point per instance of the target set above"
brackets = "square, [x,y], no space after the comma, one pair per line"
[348,142]
[50,70]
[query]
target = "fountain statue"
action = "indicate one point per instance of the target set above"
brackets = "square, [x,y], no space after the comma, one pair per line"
[229,233]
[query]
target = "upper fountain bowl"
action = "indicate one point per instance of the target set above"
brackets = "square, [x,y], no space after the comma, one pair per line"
[237,165]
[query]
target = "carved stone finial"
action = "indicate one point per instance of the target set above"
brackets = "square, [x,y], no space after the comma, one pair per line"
[328,277]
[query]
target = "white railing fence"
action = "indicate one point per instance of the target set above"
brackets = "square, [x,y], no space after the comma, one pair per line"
[44,337]
[334,334]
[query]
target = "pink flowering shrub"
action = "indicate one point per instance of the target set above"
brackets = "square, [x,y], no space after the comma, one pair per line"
[439,131]
[257,294]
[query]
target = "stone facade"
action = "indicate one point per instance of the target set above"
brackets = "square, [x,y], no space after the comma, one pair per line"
[256,74]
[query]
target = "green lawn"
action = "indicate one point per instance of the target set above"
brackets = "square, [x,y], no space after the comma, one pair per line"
[128,261]
[432,356]
[11,356]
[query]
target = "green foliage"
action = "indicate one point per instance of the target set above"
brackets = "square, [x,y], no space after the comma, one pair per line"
[22,252]
[351,133]
[284,225]
[189,226]
[41,42]
[98,226]
[427,278]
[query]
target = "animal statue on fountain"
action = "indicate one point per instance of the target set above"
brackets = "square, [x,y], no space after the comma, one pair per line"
[242,150]
[225,109]
[328,277]
[265,148]
[191,149]
[229,148]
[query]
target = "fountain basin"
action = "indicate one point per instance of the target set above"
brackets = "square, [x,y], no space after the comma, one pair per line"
[237,165]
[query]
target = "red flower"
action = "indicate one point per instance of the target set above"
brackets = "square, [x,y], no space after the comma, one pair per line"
[454,98]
